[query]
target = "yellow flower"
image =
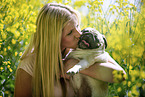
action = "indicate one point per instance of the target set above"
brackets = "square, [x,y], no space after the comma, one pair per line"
[9,47]
[139,84]
[114,72]
[26,36]
[142,74]
[79,3]
[124,83]
[134,87]
[5,49]
[9,62]
[1,26]
[129,94]
[130,67]
[12,29]
[137,50]
[119,47]
[134,91]
[20,54]
[1,52]
[133,79]
[125,76]
[16,53]
[8,66]
[4,36]
[8,19]
[26,43]
[13,41]
[134,59]
[115,80]
[33,27]
[1,68]
[115,55]
[10,70]
[119,76]
[16,34]
[7,92]
[129,83]
[5,63]
[119,89]
[21,29]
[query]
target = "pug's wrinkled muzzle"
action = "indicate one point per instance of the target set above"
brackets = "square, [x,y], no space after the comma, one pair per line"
[91,39]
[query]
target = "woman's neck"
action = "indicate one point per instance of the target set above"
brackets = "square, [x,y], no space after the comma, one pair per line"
[63,52]
[62,49]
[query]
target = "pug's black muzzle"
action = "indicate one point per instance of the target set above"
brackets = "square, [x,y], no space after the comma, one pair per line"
[89,39]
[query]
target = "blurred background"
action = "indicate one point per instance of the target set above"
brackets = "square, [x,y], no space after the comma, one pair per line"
[121,21]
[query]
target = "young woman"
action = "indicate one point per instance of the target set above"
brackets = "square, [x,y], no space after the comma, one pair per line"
[42,70]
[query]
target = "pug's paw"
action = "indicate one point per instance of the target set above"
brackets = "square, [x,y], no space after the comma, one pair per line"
[74,69]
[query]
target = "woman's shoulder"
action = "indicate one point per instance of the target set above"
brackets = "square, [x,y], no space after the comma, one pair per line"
[28,59]
[27,64]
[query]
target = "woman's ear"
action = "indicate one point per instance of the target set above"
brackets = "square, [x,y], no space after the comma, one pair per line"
[105,41]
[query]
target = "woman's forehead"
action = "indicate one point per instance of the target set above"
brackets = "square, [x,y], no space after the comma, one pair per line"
[70,25]
[73,21]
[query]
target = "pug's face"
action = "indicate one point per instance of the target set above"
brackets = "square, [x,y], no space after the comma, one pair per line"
[91,39]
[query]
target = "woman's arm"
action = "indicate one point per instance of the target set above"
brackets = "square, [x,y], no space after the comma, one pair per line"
[100,71]
[23,84]
[104,71]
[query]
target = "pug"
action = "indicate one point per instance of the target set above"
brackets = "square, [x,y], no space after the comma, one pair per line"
[91,49]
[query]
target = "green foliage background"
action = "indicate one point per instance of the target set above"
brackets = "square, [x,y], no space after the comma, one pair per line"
[125,36]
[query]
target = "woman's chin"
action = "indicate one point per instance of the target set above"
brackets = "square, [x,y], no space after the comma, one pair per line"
[74,47]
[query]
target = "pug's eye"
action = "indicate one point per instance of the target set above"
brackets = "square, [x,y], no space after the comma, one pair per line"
[70,33]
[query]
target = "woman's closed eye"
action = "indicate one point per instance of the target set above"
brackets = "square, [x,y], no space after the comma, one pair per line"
[70,33]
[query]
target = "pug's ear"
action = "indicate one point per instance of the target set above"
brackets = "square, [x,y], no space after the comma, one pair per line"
[84,30]
[105,41]
[88,29]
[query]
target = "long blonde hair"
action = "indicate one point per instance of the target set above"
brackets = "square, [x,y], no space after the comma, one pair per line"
[46,44]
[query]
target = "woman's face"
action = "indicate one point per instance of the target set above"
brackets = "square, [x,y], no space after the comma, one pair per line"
[70,35]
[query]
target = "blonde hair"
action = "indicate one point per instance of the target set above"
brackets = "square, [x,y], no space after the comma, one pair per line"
[46,44]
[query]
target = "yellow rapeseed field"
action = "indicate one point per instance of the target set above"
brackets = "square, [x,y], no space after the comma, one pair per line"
[125,34]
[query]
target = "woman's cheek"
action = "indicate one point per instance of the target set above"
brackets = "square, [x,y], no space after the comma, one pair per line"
[66,42]
[69,40]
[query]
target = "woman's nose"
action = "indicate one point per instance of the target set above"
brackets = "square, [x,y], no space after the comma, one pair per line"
[78,33]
